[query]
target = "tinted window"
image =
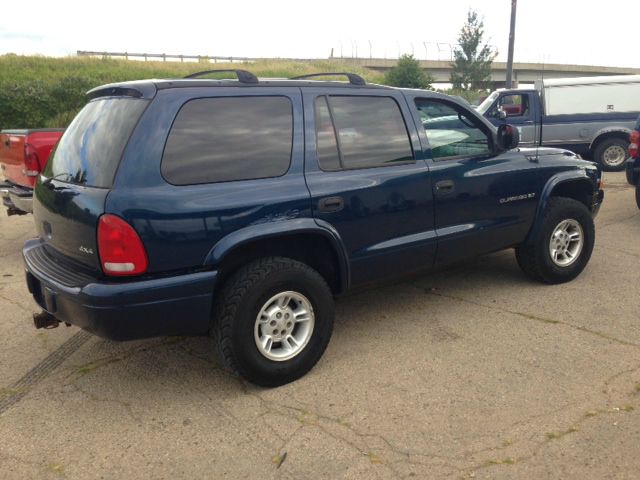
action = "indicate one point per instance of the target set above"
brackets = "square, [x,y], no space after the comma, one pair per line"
[370,133]
[451,133]
[328,155]
[90,149]
[229,138]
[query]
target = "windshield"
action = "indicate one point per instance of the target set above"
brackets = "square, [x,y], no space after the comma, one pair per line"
[90,149]
[484,106]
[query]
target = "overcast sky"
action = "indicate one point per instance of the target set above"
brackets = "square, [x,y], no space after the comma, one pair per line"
[550,31]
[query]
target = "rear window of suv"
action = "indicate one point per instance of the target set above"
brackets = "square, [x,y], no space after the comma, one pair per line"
[90,149]
[229,138]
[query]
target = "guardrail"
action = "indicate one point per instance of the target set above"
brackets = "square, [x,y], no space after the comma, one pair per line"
[163,56]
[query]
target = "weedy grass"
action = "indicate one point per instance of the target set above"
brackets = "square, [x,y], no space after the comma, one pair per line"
[37,92]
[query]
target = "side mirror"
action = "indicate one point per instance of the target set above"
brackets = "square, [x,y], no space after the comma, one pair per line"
[508,137]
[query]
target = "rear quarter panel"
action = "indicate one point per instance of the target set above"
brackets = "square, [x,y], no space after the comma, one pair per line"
[578,132]
[179,225]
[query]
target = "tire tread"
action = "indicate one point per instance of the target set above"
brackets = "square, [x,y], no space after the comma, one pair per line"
[231,296]
[530,256]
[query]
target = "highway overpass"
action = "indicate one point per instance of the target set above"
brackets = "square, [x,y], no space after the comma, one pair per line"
[440,70]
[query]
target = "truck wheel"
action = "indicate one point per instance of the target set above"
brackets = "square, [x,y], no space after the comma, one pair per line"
[611,153]
[638,195]
[273,321]
[563,245]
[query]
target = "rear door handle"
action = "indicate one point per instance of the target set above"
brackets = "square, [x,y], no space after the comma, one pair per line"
[331,204]
[445,186]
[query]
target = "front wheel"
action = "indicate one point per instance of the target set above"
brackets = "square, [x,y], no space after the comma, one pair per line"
[611,153]
[273,321]
[563,244]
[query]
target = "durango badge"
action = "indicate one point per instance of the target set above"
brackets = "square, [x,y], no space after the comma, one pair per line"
[515,198]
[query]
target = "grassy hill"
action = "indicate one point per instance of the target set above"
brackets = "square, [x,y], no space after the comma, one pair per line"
[38,92]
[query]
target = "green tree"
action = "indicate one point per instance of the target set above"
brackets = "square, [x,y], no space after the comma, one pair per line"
[472,59]
[408,74]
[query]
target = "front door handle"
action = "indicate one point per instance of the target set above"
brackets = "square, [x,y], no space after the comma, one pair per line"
[331,204]
[445,186]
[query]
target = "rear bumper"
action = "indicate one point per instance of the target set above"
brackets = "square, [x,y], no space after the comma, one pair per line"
[172,305]
[18,200]
[632,169]
[598,197]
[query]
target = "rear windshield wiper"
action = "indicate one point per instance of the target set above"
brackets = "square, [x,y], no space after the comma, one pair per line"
[47,182]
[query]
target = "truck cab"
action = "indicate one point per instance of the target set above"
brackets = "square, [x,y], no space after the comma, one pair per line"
[521,109]
[591,116]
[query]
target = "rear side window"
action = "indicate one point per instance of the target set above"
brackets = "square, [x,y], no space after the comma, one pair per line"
[90,149]
[229,138]
[327,145]
[360,132]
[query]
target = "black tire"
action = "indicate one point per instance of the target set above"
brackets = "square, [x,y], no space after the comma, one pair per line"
[239,304]
[535,257]
[604,149]
[638,195]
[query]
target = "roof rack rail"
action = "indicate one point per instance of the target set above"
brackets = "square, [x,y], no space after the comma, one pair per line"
[353,78]
[243,75]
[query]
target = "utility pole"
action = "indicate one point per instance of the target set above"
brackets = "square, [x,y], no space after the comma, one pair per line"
[512,38]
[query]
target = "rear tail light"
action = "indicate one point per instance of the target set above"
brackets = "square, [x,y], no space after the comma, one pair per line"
[120,248]
[31,161]
[634,144]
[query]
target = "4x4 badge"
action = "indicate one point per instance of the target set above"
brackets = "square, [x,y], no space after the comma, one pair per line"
[86,250]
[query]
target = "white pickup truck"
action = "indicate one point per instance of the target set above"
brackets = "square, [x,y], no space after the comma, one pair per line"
[591,116]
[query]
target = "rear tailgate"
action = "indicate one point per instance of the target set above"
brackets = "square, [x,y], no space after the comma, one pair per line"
[71,195]
[12,156]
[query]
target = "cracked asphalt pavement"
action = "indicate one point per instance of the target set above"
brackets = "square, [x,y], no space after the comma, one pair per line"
[472,372]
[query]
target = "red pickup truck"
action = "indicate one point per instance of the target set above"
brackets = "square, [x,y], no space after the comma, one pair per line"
[23,155]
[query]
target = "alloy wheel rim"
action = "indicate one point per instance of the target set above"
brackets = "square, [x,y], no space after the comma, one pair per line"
[566,242]
[614,156]
[284,326]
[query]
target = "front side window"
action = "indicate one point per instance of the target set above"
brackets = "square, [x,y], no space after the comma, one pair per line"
[451,132]
[360,132]
[229,138]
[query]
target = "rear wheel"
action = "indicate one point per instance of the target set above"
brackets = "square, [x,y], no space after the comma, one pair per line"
[611,153]
[563,244]
[273,321]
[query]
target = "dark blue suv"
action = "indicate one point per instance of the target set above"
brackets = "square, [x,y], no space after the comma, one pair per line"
[241,208]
